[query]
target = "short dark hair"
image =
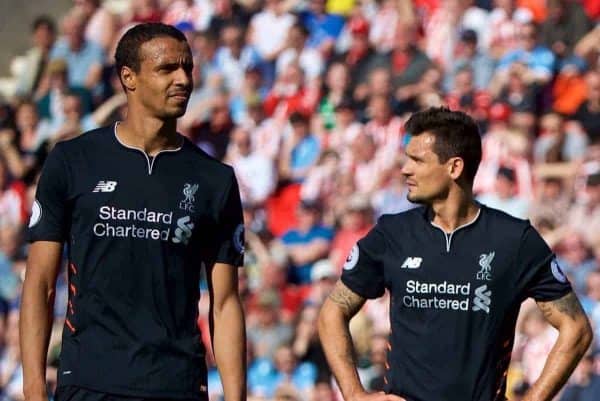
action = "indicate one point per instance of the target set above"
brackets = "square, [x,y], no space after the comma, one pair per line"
[456,135]
[43,20]
[128,48]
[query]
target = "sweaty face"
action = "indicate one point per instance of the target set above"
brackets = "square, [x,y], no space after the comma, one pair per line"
[427,179]
[164,81]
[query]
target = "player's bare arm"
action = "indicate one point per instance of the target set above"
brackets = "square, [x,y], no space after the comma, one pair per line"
[341,305]
[37,308]
[228,330]
[575,336]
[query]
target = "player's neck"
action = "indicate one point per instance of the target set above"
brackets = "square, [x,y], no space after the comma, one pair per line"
[149,134]
[456,210]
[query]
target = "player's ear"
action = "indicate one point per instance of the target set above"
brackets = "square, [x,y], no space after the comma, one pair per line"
[128,78]
[456,166]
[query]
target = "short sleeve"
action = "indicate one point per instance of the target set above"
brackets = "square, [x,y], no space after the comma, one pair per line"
[543,277]
[363,269]
[49,219]
[230,227]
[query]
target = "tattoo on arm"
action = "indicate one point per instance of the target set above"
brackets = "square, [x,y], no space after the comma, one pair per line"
[349,301]
[569,305]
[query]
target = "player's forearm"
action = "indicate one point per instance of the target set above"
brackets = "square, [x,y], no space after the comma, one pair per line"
[35,324]
[570,346]
[229,343]
[339,350]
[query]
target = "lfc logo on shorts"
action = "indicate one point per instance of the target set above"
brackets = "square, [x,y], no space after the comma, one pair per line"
[189,191]
[485,261]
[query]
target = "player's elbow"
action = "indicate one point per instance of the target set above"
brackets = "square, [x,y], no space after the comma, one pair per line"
[580,334]
[586,334]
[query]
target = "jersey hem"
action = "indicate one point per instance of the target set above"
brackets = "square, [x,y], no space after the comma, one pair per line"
[129,392]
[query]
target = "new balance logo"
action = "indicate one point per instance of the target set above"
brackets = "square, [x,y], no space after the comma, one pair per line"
[482,299]
[411,263]
[105,186]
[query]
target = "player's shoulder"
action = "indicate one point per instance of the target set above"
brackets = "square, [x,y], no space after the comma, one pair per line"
[94,137]
[414,214]
[204,161]
[502,220]
[397,222]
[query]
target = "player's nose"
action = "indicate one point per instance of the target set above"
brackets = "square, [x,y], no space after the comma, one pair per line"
[182,78]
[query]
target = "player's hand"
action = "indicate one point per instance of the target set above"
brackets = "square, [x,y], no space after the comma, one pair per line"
[379,396]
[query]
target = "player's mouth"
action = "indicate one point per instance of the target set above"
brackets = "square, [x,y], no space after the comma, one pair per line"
[180,95]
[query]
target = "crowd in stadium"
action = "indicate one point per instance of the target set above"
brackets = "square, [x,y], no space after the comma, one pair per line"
[307,99]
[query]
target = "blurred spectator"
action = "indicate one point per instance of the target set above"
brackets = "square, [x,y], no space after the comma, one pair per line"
[228,12]
[575,259]
[289,94]
[391,197]
[505,21]
[195,12]
[297,50]
[145,11]
[517,88]
[50,105]
[323,278]
[385,23]
[355,223]
[85,58]
[306,345]
[540,339]
[468,55]
[372,376]
[344,130]
[267,333]
[551,203]
[505,197]
[405,61]
[369,165]
[233,58]
[359,56]
[565,25]
[337,90]
[556,143]
[569,89]
[11,369]
[213,135]
[300,150]
[585,213]
[324,28]
[465,96]
[320,182]
[255,173]
[536,58]
[590,300]
[10,249]
[442,30]
[268,32]
[100,26]
[588,114]
[36,58]
[585,385]
[306,243]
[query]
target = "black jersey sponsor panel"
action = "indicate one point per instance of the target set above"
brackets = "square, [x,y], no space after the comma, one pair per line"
[454,298]
[139,230]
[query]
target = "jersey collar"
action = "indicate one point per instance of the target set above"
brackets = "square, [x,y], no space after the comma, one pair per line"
[150,160]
